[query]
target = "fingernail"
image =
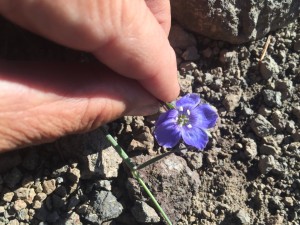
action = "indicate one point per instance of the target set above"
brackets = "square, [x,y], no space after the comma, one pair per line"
[144,110]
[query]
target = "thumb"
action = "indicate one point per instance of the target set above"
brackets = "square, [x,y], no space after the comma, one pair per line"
[123,34]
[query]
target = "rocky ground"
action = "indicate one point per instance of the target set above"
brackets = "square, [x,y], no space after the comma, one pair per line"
[248,173]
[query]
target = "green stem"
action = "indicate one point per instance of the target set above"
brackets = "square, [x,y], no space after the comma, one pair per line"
[136,174]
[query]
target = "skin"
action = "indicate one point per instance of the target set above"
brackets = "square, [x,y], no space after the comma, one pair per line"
[40,102]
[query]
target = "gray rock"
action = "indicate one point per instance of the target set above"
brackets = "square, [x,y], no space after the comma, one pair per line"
[272,98]
[266,149]
[244,217]
[266,164]
[236,21]
[49,186]
[143,213]
[268,68]
[73,219]
[23,215]
[107,206]
[208,78]
[179,38]
[92,217]
[262,127]
[190,54]
[250,149]
[170,179]
[296,111]
[13,177]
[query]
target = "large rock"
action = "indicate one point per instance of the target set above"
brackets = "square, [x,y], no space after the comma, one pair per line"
[235,21]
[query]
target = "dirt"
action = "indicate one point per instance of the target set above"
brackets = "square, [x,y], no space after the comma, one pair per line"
[247,174]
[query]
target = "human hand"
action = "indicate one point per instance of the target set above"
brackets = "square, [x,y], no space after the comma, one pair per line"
[40,102]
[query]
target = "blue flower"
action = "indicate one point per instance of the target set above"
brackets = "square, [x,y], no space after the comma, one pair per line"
[189,120]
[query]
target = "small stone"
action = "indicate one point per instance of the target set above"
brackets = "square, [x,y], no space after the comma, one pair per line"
[73,219]
[36,204]
[73,202]
[262,127]
[272,98]
[289,201]
[49,186]
[19,204]
[110,161]
[13,177]
[26,194]
[104,184]
[2,209]
[41,196]
[228,57]
[143,213]
[278,120]
[92,217]
[194,160]
[23,214]
[190,54]
[243,217]
[208,78]
[107,206]
[268,67]
[250,148]
[266,149]
[231,101]
[8,196]
[266,164]
[297,45]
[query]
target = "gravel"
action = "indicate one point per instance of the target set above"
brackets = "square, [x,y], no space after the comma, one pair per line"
[248,173]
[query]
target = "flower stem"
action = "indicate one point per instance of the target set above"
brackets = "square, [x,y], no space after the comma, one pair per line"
[153,160]
[136,174]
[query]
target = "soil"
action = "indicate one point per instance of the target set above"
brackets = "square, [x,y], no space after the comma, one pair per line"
[247,174]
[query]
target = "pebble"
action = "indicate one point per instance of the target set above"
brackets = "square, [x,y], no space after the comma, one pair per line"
[243,217]
[23,214]
[73,219]
[250,149]
[19,204]
[208,78]
[143,213]
[13,222]
[296,111]
[262,127]
[266,164]
[8,196]
[49,186]
[110,161]
[231,101]
[272,98]
[268,67]
[106,205]
[92,217]
[26,194]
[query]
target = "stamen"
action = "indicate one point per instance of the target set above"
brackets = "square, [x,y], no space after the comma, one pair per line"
[176,119]
[189,126]
[188,112]
[180,109]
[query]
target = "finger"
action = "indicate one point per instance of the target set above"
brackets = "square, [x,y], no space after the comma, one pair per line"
[124,35]
[41,102]
[162,12]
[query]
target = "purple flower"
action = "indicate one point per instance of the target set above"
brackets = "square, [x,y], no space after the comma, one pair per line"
[189,120]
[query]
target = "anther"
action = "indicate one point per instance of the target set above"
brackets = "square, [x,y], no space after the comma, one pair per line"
[189,126]
[180,109]
[188,112]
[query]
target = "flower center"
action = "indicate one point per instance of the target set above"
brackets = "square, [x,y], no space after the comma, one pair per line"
[183,118]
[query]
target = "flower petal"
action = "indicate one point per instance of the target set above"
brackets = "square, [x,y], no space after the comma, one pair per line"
[204,116]
[167,132]
[188,101]
[195,137]
[169,115]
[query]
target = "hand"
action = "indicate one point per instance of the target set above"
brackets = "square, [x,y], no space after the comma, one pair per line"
[40,102]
